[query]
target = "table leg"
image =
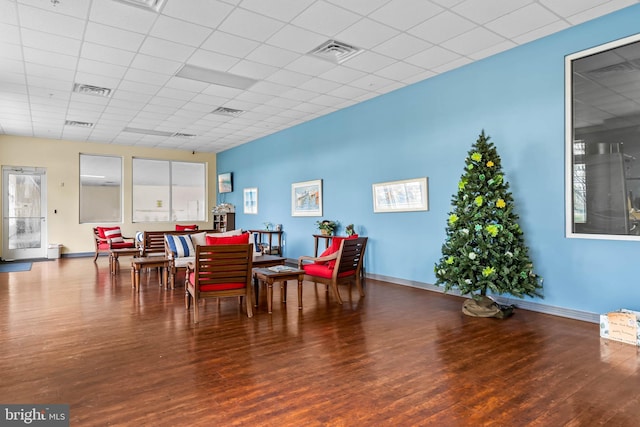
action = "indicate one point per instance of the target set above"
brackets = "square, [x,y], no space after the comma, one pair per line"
[269,295]
[165,277]
[256,289]
[283,290]
[137,281]
[300,293]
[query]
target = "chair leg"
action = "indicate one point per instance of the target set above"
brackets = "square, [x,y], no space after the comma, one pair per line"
[187,299]
[336,292]
[249,304]
[196,303]
[95,258]
[359,286]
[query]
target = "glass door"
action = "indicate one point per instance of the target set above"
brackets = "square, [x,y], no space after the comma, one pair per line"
[24,231]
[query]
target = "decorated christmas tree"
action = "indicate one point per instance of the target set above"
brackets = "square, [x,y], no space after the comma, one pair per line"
[484,249]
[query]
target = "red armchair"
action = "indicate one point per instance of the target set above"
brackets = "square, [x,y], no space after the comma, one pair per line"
[337,266]
[107,238]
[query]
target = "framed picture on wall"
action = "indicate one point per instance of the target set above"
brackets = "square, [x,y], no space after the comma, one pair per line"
[225,183]
[306,198]
[250,200]
[401,196]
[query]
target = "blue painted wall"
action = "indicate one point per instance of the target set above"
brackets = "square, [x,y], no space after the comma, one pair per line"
[426,129]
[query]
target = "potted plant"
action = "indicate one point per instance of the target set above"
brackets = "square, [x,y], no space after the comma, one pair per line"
[350,230]
[327,227]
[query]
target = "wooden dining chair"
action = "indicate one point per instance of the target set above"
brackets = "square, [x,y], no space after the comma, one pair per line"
[220,271]
[341,267]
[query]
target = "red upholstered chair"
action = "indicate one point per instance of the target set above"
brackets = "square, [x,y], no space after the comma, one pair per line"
[220,271]
[192,227]
[107,238]
[337,266]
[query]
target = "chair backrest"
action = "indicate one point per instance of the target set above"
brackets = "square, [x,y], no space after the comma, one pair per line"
[223,265]
[350,256]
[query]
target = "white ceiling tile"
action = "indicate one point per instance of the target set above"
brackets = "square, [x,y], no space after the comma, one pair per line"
[187,85]
[272,55]
[405,14]
[212,60]
[43,57]
[76,8]
[179,31]
[475,40]
[347,92]
[309,65]
[299,94]
[100,68]
[229,44]
[432,57]
[114,37]
[296,39]
[371,82]
[399,71]
[144,76]
[288,78]
[447,3]
[456,63]
[326,100]
[49,71]
[366,34]
[419,77]
[522,21]
[603,9]
[252,70]
[319,85]
[362,7]
[488,10]
[325,18]
[8,12]
[283,10]
[50,42]
[342,74]
[121,15]
[441,27]
[250,25]
[369,62]
[166,49]
[9,34]
[49,22]
[570,7]
[107,54]
[157,65]
[402,46]
[131,86]
[208,13]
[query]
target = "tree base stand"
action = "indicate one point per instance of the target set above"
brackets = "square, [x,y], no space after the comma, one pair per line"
[482,306]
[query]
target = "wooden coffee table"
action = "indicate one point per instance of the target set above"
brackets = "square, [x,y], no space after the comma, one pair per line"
[115,253]
[148,262]
[269,277]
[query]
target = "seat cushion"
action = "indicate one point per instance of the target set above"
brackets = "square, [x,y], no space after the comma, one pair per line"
[231,240]
[180,245]
[323,270]
[122,245]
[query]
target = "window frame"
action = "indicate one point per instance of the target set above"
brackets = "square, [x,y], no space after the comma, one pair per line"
[81,220]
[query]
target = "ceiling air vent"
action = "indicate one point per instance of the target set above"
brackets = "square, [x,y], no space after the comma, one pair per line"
[153,5]
[335,51]
[224,111]
[92,90]
[183,135]
[78,124]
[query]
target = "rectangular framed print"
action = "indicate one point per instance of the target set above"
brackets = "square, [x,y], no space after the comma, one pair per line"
[306,198]
[401,196]
[250,200]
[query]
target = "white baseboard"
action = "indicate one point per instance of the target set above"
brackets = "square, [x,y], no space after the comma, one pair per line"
[525,305]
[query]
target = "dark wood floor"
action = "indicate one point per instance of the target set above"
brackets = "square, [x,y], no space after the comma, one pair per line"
[71,333]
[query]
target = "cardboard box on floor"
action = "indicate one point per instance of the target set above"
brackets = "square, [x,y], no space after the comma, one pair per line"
[622,325]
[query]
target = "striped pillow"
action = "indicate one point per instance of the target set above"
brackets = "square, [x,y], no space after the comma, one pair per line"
[114,234]
[180,245]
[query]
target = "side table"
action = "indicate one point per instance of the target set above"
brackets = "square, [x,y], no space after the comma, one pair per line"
[115,253]
[269,277]
[149,262]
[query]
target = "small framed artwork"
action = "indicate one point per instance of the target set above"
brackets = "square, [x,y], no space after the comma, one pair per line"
[250,200]
[401,196]
[306,198]
[225,182]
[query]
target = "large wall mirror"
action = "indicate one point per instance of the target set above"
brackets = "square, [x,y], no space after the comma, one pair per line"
[603,141]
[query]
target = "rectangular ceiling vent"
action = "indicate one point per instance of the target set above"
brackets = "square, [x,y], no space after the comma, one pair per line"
[78,124]
[148,131]
[183,135]
[335,51]
[224,111]
[92,90]
[153,5]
